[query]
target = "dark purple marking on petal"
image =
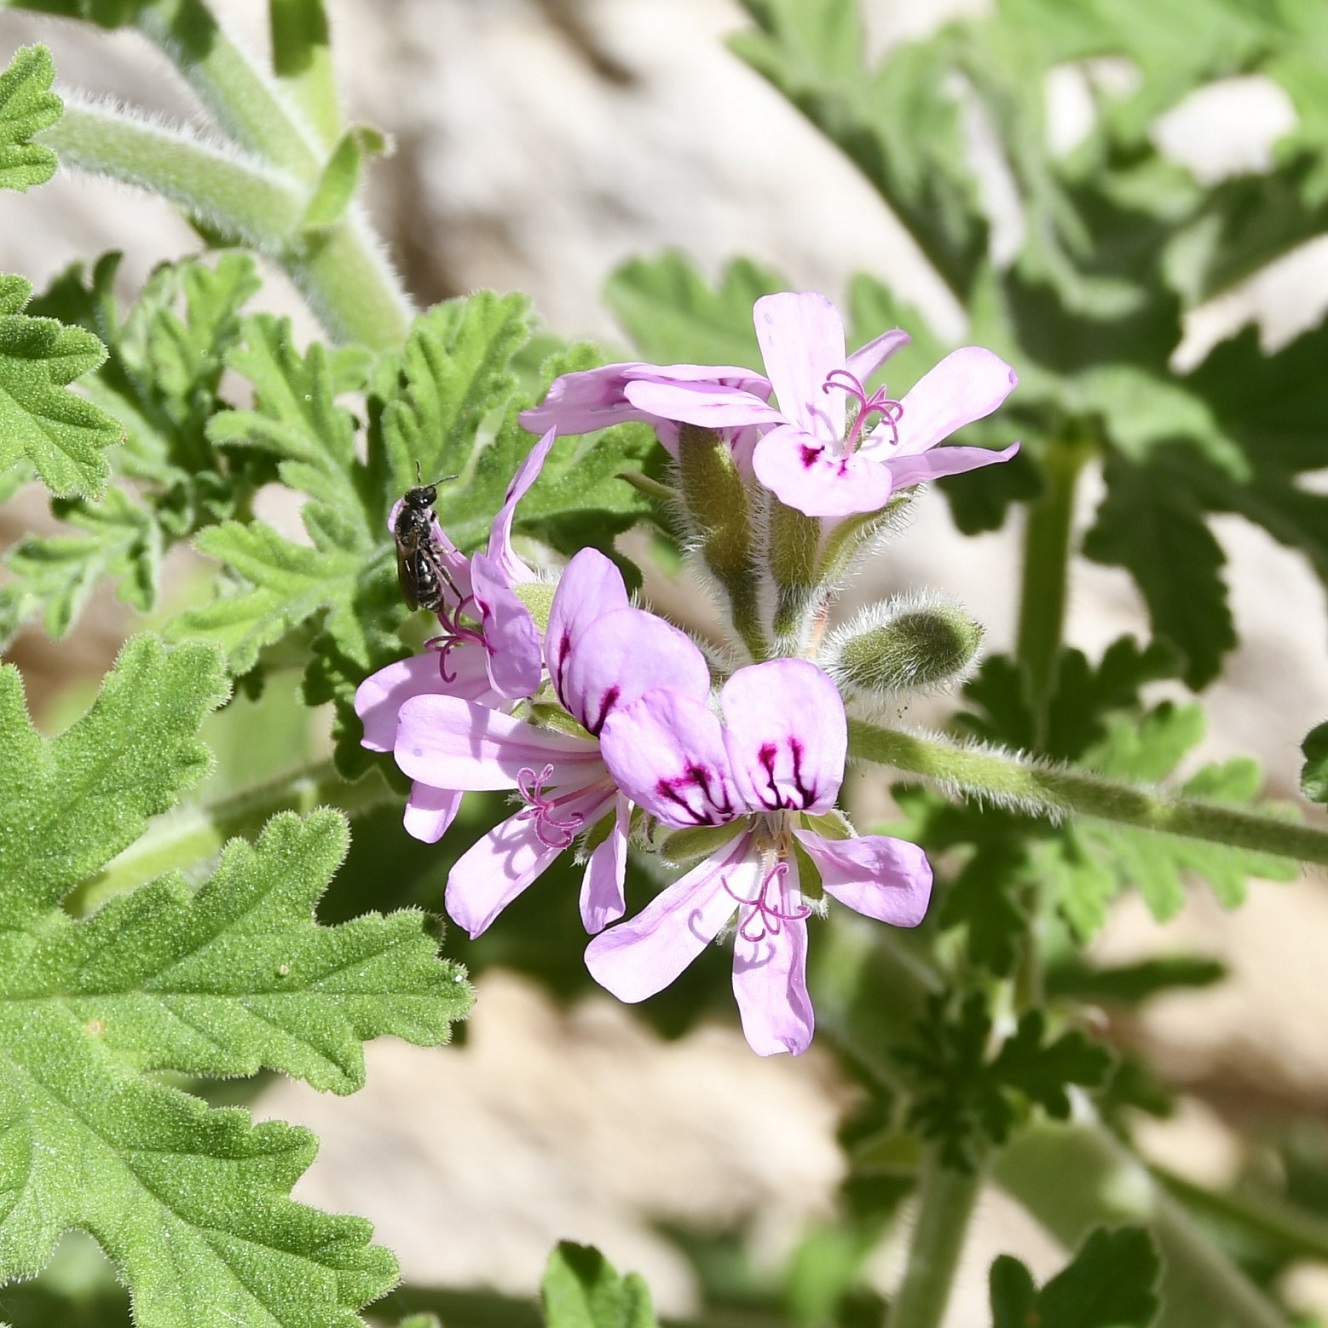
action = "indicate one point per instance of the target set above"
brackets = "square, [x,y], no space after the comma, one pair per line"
[810,455]
[607,701]
[767,758]
[559,669]
[696,778]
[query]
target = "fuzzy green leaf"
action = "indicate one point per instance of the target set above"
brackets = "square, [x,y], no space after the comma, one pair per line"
[582,1290]
[672,314]
[61,435]
[1314,775]
[1110,1283]
[27,106]
[190,1204]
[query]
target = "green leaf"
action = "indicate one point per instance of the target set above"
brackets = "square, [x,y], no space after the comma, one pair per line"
[1110,1283]
[1151,523]
[1314,775]
[340,176]
[27,106]
[673,315]
[582,1290]
[61,435]
[190,1204]
[1132,984]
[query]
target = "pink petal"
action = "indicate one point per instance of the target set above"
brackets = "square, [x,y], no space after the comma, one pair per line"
[710,405]
[814,479]
[639,957]
[456,745]
[624,654]
[940,461]
[430,812]
[882,878]
[591,586]
[965,386]
[802,341]
[770,983]
[500,533]
[865,361]
[786,736]
[516,663]
[585,401]
[602,897]
[379,698]
[666,752]
[493,871]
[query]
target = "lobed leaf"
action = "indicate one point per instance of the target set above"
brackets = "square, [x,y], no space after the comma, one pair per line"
[27,106]
[582,1290]
[1314,774]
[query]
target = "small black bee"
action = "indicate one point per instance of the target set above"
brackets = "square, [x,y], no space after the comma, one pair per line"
[419,568]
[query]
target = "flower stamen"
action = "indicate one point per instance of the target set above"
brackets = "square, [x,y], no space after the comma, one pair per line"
[890,410]
[552,830]
[765,918]
[455,633]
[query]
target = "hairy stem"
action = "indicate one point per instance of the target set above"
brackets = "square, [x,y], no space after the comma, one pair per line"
[1057,792]
[947,1203]
[187,839]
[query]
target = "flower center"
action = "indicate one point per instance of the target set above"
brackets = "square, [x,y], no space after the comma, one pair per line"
[456,631]
[766,914]
[890,410]
[553,828]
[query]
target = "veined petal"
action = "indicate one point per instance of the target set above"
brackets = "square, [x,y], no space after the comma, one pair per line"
[585,401]
[430,812]
[886,879]
[812,477]
[786,735]
[494,870]
[516,663]
[965,386]
[910,470]
[708,404]
[500,533]
[728,375]
[453,744]
[602,897]
[666,752]
[802,341]
[867,359]
[590,587]
[643,955]
[621,656]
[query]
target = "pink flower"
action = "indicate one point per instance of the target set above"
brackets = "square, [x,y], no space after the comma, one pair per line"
[777,758]
[602,653]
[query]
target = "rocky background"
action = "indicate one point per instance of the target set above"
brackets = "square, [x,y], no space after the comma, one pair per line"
[539,143]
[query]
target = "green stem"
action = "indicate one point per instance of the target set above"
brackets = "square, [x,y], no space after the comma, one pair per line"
[1057,792]
[302,60]
[235,90]
[1046,569]
[1074,1178]
[947,1199]
[341,270]
[186,839]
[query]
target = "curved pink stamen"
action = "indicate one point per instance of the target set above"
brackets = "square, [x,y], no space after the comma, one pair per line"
[551,831]
[768,918]
[455,633]
[890,410]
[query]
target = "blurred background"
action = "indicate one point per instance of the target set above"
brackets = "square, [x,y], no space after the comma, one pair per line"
[538,145]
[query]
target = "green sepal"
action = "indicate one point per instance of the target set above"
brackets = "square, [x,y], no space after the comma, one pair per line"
[27,106]
[793,546]
[912,646]
[681,846]
[340,176]
[537,596]
[829,825]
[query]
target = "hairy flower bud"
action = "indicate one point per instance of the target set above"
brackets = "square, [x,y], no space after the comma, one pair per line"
[904,645]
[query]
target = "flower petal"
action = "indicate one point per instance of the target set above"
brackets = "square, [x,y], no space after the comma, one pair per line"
[882,878]
[910,470]
[453,744]
[602,898]
[802,341]
[378,699]
[786,735]
[430,811]
[867,359]
[621,656]
[643,955]
[804,474]
[500,533]
[590,587]
[666,752]
[770,984]
[516,663]
[710,405]
[968,384]
[584,401]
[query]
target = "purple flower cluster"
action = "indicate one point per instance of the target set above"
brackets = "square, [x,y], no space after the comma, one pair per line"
[602,722]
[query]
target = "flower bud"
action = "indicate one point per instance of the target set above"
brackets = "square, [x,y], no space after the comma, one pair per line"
[904,645]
